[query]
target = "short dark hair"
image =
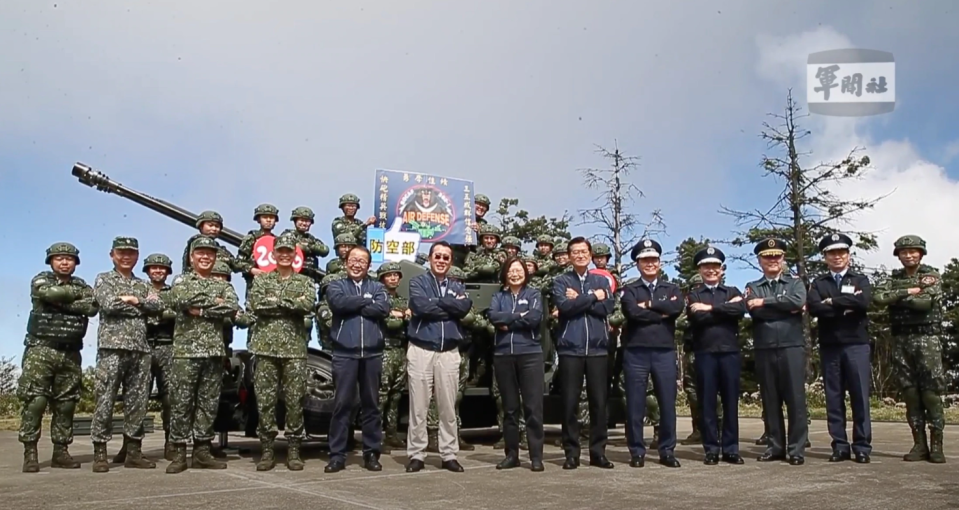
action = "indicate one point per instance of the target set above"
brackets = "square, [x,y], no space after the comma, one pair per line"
[369,258]
[579,240]
[439,243]
[504,270]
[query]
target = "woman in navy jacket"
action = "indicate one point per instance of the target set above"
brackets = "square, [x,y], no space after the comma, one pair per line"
[516,312]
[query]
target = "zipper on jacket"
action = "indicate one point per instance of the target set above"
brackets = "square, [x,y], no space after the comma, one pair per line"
[511,333]
[362,320]
[582,287]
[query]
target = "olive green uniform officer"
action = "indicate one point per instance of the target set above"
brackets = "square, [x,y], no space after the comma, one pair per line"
[349,223]
[342,244]
[394,376]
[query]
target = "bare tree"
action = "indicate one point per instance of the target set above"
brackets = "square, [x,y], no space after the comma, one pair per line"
[8,376]
[620,229]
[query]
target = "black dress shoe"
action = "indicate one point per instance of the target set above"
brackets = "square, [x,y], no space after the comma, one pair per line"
[796,461]
[571,463]
[414,466]
[637,462]
[452,465]
[334,466]
[862,458]
[733,458]
[508,463]
[838,456]
[601,462]
[670,461]
[371,462]
[768,457]
[537,465]
[711,459]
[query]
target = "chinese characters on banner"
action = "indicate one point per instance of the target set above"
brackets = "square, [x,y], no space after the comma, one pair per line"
[851,82]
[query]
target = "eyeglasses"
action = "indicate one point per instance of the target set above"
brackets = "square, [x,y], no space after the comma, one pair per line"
[441,257]
[357,262]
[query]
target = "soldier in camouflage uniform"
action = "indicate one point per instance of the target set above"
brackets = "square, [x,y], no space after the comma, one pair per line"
[689,373]
[324,317]
[342,244]
[601,256]
[472,323]
[482,266]
[158,268]
[52,374]
[348,223]
[914,297]
[279,300]
[481,207]
[203,303]
[123,354]
[266,215]
[209,223]
[560,256]
[241,320]
[544,255]
[394,356]
[513,246]
[313,248]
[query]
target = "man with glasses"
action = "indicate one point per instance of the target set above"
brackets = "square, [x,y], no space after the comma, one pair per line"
[775,303]
[437,303]
[359,305]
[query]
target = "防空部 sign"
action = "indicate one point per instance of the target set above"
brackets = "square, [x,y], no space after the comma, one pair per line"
[433,206]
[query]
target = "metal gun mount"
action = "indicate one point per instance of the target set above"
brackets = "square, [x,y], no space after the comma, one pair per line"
[95,179]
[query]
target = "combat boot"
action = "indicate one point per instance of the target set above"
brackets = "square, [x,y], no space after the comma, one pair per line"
[501,444]
[100,464]
[293,460]
[135,458]
[218,453]
[203,459]
[169,451]
[30,462]
[654,444]
[523,440]
[694,437]
[62,458]
[920,450]
[121,455]
[465,446]
[433,442]
[392,440]
[936,456]
[178,464]
[267,459]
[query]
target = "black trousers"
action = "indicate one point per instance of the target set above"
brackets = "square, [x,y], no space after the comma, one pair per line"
[847,368]
[781,373]
[571,371]
[639,363]
[718,373]
[520,376]
[347,372]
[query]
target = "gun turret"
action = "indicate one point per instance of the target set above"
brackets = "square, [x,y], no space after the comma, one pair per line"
[102,182]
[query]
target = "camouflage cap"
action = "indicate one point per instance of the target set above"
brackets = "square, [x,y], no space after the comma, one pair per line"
[545,239]
[62,248]
[601,250]
[481,199]
[157,259]
[302,212]
[345,240]
[349,198]
[389,267]
[909,241]
[220,268]
[285,241]
[209,216]
[485,229]
[456,273]
[125,243]
[203,242]
[512,241]
[265,209]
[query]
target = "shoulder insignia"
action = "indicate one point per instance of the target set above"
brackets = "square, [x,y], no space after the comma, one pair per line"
[928,279]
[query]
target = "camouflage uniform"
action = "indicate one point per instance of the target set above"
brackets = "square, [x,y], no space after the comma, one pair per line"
[278,340]
[338,265]
[394,377]
[222,253]
[313,248]
[544,263]
[482,266]
[346,225]
[916,322]
[123,357]
[198,353]
[559,248]
[51,373]
[324,317]
[515,243]
[689,374]
[245,261]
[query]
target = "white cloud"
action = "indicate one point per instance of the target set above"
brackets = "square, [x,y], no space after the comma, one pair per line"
[922,198]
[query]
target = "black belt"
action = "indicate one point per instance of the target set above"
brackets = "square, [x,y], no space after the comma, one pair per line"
[65,346]
[915,329]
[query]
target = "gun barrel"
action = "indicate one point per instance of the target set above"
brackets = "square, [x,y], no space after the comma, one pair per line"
[96,179]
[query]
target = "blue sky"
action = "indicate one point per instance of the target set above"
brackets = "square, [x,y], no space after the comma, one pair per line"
[226,105]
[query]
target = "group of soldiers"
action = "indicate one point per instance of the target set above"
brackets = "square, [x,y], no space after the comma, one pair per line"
[178,336]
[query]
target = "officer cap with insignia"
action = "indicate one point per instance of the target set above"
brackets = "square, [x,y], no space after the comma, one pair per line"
[646,248]
[709,255]
[835,242]
[770,247]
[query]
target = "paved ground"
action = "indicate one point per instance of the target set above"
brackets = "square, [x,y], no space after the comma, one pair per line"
[886,483]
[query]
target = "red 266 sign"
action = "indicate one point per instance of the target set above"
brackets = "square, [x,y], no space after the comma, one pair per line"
[263,255]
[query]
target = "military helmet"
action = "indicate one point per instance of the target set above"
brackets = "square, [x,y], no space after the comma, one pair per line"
[909,241]
[512,241]
[545,239]
[695,279]
[601,250]
[265,209]
[62,249]
[344,239]
[481,199]
[157,259]
[221,268]
[285,241]
[560,245]
[485,229]
[456,273]
[302,212]
[203,242]
[349,198]
[530,258]
[389,267]
[209,216]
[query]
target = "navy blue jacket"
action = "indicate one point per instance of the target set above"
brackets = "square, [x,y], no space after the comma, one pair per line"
[434,324]
[358,314]
[522,331]
[655,326]
[844,321]
[718,329]
[583,329]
